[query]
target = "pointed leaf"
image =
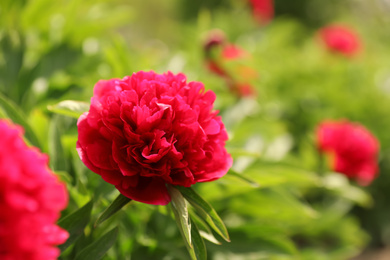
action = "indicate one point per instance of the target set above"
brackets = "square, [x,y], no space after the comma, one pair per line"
[69,108]
[114,207]
[198,243]
[205,211]
[204,229]
[58,160]
[75,224]
[16,115]
[179,208]
[244,178]
[99,248]
[340,185]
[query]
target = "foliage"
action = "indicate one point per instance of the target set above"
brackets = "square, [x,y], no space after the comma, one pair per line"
[279,200]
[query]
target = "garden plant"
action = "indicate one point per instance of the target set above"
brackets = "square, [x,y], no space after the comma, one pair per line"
[253,129]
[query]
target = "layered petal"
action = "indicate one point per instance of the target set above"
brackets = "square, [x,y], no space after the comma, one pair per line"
[31,198]
[353,147]
[149,130]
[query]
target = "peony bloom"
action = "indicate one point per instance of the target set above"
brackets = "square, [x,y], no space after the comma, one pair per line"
[353,147]
[31,198]
[233,52]
[218,51]
[229,52]
[148,130]
[263,10]
[245,90]
[230,62]
[340,39]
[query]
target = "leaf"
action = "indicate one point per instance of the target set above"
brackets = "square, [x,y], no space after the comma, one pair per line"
[340,185]
[278,174]
[99,248]
[248,238]
[200,251]
[244,178]
[188,229]
[205,210]
[16,115]
[75,224]
[12,47]
[179,208]
[236,152]
[58,160]
[69,108]
[114,207]
[204,229]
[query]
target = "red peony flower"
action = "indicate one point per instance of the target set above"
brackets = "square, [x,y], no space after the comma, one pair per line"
[229,62]
[148,130]
[214,67]
[229,52]
[31,198]
[263,10]
[354,149]
[233,52]
[245,90]
[340,39]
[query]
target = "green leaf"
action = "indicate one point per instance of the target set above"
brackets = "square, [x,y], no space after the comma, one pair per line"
[179,208]
[244,178]
[58,160]
[204,229]
[205,211]
[200,252]
[341,186]
[99,248]
[16,115]
[75,224]
[114,207]
[236,152]
[264,238]
[270,174]
[69,108]
[188,229]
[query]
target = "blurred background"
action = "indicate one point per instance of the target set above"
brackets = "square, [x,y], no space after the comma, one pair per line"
[271,95]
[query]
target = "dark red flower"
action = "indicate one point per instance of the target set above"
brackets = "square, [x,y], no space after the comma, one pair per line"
[214,67]
[31,198]
[228,52]
[148,130]
[263,10]
[245,90]
[354,149]
[340,39]
[230,62]
[214,38]
[233,52]
[218,51]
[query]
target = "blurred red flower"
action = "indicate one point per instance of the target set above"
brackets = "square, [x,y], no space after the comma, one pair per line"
[230,62]
[149,130]
[245,90]
[232,52]
[228,52]
[263,10]
[31,198]
[340,39]
[353,147]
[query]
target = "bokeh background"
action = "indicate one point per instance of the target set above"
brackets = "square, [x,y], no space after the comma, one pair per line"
[280,200]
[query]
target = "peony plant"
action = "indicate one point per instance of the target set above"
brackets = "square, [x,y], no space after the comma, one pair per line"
[230,62]
[149,133]
[31,198]
[353,148]
[263,10]
[340,39]
[149,130]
